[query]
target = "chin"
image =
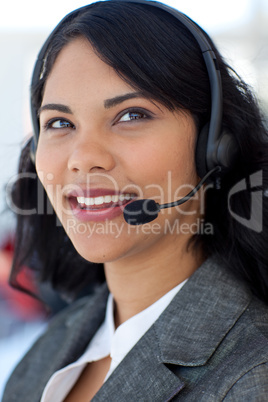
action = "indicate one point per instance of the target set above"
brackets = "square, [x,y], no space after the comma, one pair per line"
[97,250]
[97,257]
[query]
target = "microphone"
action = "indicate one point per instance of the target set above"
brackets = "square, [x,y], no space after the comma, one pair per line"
[144,211]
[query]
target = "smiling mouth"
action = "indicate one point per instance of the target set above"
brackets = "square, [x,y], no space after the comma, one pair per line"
[101,202]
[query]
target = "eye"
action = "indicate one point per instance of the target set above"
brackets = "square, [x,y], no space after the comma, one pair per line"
[58,124]
[133,114]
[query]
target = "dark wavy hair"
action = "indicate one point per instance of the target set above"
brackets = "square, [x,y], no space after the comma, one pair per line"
[155,53]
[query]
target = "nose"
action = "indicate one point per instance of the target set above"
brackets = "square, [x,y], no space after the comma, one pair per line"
[88,156]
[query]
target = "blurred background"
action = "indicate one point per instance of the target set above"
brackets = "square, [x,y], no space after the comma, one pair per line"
[240,30]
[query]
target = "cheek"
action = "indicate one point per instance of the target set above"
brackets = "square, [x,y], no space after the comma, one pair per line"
[43,158]
[49,171]
[50,160]
[163,162]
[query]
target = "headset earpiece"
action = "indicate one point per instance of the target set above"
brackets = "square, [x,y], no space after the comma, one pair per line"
[223,154]
[201,151]
[227,151]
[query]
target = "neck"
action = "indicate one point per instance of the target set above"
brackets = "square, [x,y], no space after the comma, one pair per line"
[138,281]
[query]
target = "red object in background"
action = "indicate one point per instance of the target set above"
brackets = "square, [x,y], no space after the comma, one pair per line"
[19,304]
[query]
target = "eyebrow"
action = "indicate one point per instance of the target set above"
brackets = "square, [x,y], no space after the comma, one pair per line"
[108,103]
[55,106]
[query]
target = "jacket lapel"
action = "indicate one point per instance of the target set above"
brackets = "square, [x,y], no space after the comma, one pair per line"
[201,314]
[141,376]
[186,334]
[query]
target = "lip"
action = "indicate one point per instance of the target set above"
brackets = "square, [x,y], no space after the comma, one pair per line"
[97,213]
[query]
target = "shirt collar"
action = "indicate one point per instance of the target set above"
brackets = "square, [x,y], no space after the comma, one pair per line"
[123,339]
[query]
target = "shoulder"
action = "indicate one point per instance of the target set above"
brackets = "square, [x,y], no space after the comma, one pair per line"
[241,359]
[249,337]
[252,386]
[244,343]
[80,309]
[218,334]
[65,339]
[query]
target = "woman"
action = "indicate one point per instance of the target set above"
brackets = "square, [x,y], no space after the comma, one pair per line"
[123,102]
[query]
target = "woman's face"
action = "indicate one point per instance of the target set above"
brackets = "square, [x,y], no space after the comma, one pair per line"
[101,144]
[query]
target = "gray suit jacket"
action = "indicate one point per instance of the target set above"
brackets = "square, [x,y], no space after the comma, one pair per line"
[210,344]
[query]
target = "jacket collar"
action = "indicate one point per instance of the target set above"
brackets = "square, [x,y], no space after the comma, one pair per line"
[187,333]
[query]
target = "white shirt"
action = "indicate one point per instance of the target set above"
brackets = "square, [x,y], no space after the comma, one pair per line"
[107,342]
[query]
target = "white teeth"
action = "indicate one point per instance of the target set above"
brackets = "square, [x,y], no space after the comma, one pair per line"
[99,200]
[88,201]
[107,199]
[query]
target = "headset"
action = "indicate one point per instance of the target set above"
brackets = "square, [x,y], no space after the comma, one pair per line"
[216,150]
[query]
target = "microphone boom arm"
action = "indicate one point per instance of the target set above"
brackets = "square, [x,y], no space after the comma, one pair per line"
[191,193]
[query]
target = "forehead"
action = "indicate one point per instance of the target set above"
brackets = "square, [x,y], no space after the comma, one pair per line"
[79,71]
